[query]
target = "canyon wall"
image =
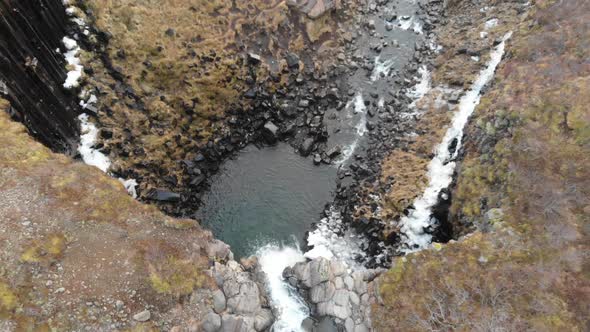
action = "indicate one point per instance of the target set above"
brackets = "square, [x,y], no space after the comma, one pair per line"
[32,71]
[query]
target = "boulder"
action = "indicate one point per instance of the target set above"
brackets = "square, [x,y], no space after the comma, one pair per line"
[247,301]
[306,146]
[163,195]
[211,323]
[218,301]
[270,132]
[233,323]
[322,292]
[320,271]
[143,316]
[264,319]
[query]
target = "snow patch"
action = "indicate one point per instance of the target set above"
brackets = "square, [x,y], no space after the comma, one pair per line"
[90,155]
[331,239]
[71,56]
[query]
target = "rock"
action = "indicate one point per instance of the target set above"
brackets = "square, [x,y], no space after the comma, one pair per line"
[337,267]
[292,60]
[233,323]
[361,328]
[219,250]
[306,146]
[170,32]
[264,319]
[320,271]
[211,323]
[143,316]
[371,24]
[334,151]
[331,309]
[270,132]
[349,325]
[307,324]
[163,195]
[339,283]
[360,286]
[354,299]
[322,292]
[218,301]
[231,287]
[349,282]
[247,301]
[254,58]
[313,8]
[317,159]
[326,325]
[341,297]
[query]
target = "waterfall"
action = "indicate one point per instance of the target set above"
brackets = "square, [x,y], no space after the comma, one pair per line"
[290,309]
[442,166]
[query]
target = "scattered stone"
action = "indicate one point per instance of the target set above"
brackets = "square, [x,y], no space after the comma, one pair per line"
[143,316]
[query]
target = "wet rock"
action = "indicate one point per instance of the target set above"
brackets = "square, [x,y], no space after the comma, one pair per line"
[270,132]
[306,147]
[317,159]
[143,316]
[334,152]
[163,195]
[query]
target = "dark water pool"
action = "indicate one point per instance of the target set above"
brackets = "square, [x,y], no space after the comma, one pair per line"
[268,195]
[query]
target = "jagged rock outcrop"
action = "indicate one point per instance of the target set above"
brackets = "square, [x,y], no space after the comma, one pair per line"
[32,71]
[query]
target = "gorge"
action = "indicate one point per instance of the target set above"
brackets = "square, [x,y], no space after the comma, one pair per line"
[293,165]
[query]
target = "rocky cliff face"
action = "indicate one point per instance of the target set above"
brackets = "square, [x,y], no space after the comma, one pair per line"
[32,70]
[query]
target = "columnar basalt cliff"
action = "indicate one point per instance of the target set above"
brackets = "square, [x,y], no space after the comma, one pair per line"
[32,70]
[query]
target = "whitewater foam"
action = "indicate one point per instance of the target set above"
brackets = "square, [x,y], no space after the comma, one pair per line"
[381,68]
[332,239]
[357,106]
[442,166]
[290,310]
[421,88]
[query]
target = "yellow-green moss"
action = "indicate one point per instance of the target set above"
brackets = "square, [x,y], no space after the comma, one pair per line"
[48,249]
[176,277]
[8,299]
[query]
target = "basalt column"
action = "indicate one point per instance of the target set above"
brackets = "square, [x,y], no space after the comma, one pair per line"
[32,71]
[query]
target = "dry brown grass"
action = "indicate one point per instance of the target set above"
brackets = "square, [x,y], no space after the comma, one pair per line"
[530,271]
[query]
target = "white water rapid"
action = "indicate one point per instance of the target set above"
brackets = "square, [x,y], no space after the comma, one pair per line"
[290,309]
[441,168]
